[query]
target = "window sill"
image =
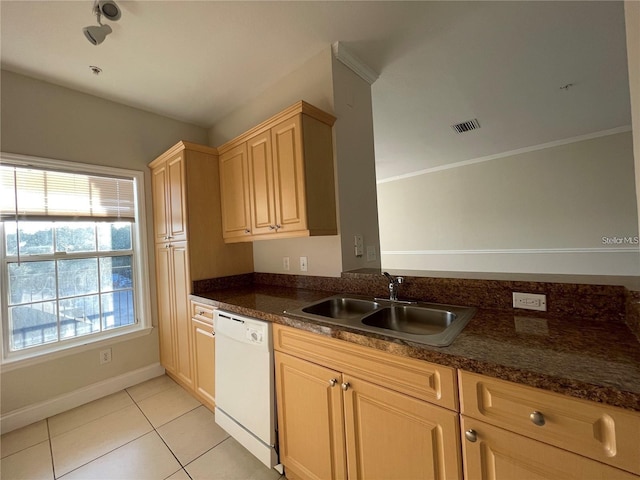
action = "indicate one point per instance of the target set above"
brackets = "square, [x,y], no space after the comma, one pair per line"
[26,360]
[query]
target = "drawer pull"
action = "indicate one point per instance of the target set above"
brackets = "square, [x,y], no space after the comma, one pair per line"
[537,418]
[201,312]
[333,382]
[471,435]
[345,386]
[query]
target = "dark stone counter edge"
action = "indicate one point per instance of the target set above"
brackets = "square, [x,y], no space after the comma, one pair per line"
[581,390]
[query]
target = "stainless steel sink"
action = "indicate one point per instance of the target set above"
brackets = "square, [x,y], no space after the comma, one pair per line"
[426,323]
[341,307]
[414,320]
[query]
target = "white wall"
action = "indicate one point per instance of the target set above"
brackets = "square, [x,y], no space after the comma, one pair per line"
[543,211]
[356,168]
[45,120]
[632,24]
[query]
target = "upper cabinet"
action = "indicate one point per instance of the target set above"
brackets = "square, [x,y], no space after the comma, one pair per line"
[277,181]
[186,207]
[169,199]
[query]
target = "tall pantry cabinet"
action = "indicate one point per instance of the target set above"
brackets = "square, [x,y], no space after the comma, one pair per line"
[188,246]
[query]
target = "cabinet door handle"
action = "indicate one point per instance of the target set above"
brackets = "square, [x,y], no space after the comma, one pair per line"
[537,418]
[333,382]
[345,386]
[278,226]
[272,227]
[246,230]
[471,435]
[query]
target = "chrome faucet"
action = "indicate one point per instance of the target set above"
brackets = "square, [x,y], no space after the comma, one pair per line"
[394,284]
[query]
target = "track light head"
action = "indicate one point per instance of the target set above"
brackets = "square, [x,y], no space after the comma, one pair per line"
[109,10]
[97,33]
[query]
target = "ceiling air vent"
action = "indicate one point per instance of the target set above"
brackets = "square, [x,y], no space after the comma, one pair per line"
[466,126]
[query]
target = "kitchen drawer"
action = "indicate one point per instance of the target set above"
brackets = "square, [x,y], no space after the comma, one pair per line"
[202,312]
[607,434]
[491,453]
[433,383]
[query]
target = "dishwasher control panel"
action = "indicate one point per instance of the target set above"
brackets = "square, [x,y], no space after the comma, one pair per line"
[254,334]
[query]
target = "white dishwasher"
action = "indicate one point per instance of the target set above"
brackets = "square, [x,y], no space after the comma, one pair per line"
[245,386]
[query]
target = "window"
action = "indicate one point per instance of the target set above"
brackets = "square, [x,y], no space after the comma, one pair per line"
[72,255]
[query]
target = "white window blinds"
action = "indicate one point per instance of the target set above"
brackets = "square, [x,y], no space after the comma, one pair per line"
[37,194]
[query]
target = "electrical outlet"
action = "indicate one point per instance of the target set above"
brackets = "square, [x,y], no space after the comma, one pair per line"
[285,263]
[303,264]
[530,301]
[105,356]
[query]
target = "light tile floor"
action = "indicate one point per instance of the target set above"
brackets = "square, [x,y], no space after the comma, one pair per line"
[154,430]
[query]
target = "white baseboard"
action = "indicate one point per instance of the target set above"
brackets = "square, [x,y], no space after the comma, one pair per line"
[38,411]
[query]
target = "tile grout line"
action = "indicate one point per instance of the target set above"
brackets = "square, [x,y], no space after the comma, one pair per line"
[182,467]
[110,451]
[53,465]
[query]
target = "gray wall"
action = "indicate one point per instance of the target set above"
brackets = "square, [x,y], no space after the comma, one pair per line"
[45,120]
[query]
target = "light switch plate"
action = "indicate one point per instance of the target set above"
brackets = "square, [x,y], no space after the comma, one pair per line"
[303,264]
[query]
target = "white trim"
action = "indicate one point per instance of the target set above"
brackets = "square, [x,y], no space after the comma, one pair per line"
[518,251]
[532,148]
[39,411]
[354,63]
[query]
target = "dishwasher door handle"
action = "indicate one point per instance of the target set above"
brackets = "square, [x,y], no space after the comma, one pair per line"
[231,318]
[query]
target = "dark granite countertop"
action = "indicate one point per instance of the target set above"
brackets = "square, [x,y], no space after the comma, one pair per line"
[582,358]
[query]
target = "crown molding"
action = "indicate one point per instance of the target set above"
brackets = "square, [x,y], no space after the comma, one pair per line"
[354,63]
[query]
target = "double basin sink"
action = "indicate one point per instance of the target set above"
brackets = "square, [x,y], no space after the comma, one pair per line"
[426,323]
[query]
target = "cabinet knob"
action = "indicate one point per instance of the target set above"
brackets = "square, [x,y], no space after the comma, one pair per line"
[333,382]
[471,435]
[345,386]
[201,312]
[272,227]
[246,230]
[537,418]
[278,226]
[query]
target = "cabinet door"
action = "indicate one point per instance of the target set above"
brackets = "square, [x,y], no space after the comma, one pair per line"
[261,185]
[204,345]
[497,454]
[182,316]
[234,191]
[288,174]
[177,201]
[394,436]
[159,180]
[164,283]
[310,419]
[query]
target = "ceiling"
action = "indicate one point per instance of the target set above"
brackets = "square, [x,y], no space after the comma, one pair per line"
[440,63]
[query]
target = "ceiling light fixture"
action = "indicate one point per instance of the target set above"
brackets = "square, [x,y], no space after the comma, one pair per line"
[97,33]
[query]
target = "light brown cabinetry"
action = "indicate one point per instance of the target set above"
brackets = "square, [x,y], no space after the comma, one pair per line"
[277,179]
[172,280]
[188,246]
[203,353]
[344,413]
[515,431]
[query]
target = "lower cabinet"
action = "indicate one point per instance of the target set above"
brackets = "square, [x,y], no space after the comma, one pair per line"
[334,424]
[491,453]
[203,345]
[514,431]
[172,273]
